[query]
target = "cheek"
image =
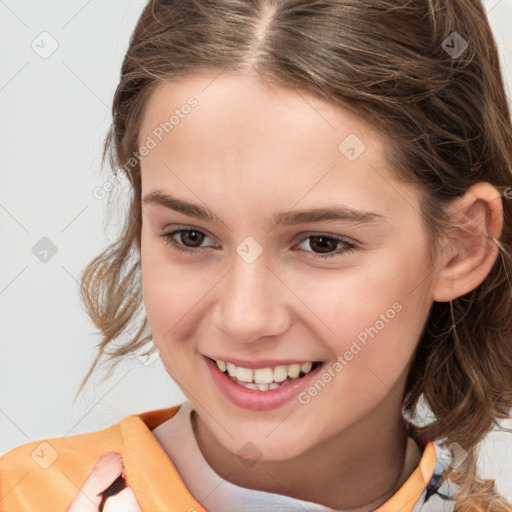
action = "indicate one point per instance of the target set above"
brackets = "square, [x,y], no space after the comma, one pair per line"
[169,299]
[169,290]
[348,300]
[371,320]
[169,294]
[175,296]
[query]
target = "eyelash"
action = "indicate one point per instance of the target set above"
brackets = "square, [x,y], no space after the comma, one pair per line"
[349,246]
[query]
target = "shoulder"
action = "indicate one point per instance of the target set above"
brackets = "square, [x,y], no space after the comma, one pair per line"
[47,474]
[438,495]
[46,470]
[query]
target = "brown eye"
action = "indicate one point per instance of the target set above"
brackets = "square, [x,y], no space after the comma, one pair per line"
[324,246]
[190,238]
[185,240]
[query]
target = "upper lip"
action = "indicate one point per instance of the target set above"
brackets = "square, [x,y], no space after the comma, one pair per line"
[261,363]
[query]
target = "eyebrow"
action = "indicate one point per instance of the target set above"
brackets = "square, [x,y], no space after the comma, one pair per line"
[336,212]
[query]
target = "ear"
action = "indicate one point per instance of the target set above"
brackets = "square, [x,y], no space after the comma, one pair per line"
[469,254]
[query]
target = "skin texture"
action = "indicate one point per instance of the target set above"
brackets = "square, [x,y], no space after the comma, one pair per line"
[246,151]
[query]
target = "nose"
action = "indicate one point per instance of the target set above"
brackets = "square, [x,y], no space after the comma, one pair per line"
[252,302]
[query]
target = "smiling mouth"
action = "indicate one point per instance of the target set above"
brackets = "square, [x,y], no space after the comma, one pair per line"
[266,379]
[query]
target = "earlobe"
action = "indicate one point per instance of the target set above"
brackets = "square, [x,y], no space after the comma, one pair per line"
[469,252]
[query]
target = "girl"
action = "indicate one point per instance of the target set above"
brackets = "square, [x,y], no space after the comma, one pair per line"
[320,234]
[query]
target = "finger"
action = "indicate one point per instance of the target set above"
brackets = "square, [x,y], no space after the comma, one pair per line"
[106,469]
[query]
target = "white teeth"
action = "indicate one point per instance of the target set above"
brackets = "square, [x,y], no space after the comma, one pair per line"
[293,370]
[244,374]
[280,373]
[264,376]
[260,387]
[306,367]
[249,385]
[231,369]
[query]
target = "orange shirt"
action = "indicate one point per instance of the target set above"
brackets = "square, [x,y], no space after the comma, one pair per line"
[47,475]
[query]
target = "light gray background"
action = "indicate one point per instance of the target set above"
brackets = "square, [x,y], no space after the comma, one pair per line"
[55,112]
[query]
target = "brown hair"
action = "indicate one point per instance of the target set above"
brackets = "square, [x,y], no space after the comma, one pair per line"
[449,121]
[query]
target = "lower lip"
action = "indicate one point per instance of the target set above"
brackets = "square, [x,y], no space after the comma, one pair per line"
[256,400]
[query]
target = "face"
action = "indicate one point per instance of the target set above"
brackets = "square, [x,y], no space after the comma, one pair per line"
[351,292]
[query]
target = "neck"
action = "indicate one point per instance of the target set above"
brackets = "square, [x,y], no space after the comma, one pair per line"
[361,467]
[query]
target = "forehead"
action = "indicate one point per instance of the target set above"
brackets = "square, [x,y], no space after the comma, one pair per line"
[248,105]
[236,134]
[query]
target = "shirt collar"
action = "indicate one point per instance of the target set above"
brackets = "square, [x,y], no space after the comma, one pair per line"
[152,473]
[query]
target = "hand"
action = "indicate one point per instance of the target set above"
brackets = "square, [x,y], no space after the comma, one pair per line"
[92,497]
